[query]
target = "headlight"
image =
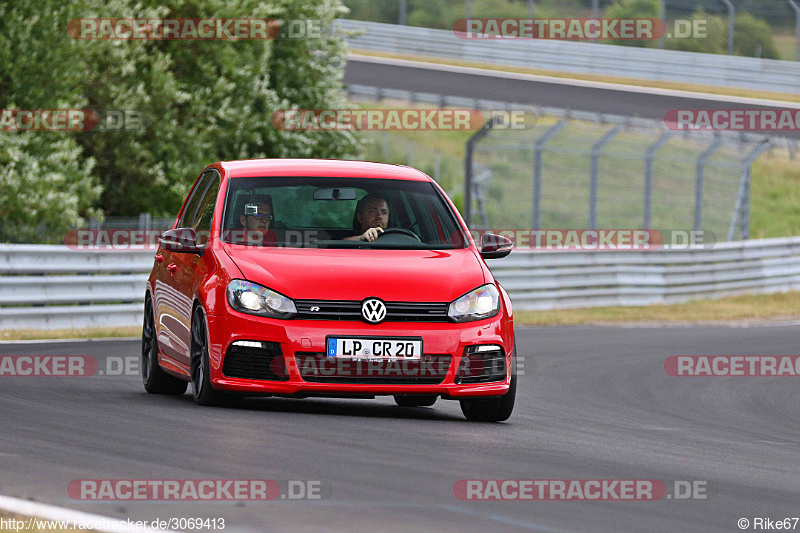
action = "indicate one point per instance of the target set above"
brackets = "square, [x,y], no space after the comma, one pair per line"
[483,302]
[254,299]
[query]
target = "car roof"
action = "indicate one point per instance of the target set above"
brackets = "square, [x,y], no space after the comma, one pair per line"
[250,168]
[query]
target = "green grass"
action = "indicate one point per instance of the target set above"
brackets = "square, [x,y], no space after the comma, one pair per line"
[758,307]
[775,198]
[86,333]
[787,45]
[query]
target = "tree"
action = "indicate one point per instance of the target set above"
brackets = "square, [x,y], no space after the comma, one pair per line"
[47,184]
[211,100]
[201,101]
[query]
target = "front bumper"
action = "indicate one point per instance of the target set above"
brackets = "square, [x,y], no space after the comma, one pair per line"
[308,337]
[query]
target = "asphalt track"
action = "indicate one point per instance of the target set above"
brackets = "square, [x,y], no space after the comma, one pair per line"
[538,90]
[594,402]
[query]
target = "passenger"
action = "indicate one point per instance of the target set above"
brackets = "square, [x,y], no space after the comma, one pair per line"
[370,218]
[257,220]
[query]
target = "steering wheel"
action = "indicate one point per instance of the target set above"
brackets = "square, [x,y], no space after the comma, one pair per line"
[400,231]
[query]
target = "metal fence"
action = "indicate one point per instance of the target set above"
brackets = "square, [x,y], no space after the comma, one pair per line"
[54,287]
[576,174]
[586,58]
[583,170]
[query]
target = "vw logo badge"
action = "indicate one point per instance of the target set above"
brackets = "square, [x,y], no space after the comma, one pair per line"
[373,310]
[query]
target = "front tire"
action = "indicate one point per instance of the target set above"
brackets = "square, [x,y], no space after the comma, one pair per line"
[494,409]
[202,391]
[155,380]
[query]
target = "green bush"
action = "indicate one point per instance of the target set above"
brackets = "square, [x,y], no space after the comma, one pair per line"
[632,9]
[753,38]
[715,41]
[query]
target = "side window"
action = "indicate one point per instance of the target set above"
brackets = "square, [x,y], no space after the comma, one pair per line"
[187,216]
[205,212]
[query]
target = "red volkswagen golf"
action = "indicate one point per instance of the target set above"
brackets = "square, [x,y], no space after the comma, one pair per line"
[301,278]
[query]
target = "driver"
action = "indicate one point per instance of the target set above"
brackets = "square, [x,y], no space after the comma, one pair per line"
[370,219]
[257,220]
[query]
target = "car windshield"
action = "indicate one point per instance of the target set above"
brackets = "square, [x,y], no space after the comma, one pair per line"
[333,212]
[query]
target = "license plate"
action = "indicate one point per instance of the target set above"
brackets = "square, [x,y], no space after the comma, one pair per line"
[375,347]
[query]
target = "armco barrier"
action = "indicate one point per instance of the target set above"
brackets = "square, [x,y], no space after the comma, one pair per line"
[579,57]
[53,287]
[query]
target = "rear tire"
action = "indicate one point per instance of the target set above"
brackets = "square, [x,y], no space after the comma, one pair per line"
[409,400]
[494,409]
[155,380]
[202,391]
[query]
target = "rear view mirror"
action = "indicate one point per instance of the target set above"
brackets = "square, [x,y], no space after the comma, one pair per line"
[495,246]
[346,193]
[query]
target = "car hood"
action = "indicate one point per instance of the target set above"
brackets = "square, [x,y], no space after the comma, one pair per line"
[347,274]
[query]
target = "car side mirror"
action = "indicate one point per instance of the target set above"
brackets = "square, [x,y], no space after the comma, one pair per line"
[495,246]
[181,240]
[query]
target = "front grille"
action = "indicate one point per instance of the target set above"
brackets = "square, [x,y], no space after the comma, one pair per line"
[351,310]
[316,367]
[482,367]
[249,362]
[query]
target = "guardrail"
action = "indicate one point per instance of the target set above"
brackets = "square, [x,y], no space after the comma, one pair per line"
[54,287]
[585,58]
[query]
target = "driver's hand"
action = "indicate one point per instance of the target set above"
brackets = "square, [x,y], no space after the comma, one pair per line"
[371,234]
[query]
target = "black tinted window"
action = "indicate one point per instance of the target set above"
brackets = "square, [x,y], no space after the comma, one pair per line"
[310,210]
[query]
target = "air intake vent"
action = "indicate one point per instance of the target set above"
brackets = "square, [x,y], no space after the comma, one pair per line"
[351,310]
[255,360]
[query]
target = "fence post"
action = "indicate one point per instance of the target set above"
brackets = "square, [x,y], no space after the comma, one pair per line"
[144,221]
[648,176]
[385,147]
[698,187]
[662,14]
[731,19]
[537,170]
[437,164]
[596,150]
[743,196]
[401,15]
[796,8]
[468,170]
